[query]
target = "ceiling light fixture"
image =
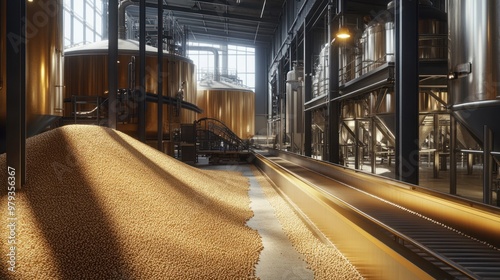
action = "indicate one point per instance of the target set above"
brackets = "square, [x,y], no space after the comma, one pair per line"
[343,33]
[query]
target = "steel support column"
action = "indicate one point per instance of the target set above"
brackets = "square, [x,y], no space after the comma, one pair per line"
[453,158]
[407,91]
[141,111]
[160,77]
[16,94]
[308,69]
[333,92]
[112,62]
[436,137]
[282,104]
[487,164]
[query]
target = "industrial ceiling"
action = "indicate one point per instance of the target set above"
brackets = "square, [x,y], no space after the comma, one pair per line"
[247,22]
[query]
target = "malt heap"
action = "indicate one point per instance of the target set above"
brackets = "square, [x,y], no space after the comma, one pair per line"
[100,205]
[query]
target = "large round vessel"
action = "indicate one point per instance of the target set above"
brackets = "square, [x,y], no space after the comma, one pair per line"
[295,108]
[231,104]
[44,64]
[474,60]
[86,69]
[474,47]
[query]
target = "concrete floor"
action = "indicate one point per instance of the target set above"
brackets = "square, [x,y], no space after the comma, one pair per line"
[278,259]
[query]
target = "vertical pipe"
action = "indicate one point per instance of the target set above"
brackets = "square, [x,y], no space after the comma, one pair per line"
[16,94]
[453,158]
[407,91]
[160,76]
[308,62]
[487,164]
[142,72]
[112,62]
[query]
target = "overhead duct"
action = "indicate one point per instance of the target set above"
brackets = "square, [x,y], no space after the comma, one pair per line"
[122,29]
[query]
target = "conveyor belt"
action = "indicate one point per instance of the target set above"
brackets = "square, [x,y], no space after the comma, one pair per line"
[460,255]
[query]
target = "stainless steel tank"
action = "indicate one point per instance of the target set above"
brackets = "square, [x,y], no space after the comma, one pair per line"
[474,42]
[86,75]
[374,46]
[378,39]
[474,59]
[229,103]
[432,29]
[295,107]
[44,64]
[323,71]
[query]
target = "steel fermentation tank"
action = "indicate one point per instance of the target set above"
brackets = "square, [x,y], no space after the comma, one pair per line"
[474,60]
[86,75]
[229,103]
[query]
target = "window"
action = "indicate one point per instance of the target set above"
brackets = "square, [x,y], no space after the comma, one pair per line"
[239,62]
[82,22]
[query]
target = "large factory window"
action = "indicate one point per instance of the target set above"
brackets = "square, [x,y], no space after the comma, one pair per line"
[235,62]
[82,21]
[241,61]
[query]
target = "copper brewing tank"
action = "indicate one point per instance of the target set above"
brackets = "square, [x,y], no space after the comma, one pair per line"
[231,104]
[44,62]
[86,69]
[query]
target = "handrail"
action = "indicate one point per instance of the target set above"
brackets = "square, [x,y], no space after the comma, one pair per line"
[221,131]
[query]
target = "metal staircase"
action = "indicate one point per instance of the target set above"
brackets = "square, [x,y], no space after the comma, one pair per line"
[214,135]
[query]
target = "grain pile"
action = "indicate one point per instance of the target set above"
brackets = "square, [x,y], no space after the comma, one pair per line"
[101,205]
[327,262]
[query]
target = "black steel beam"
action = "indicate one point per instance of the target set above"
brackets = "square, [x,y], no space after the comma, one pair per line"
[112,62]
[407,148]
[160,77]
[16,95]
[333,105]
[308,69]
[212,13]
[142,72]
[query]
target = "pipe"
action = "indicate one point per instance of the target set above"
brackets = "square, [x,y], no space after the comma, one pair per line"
[122,30]
[131,74]
[215,51]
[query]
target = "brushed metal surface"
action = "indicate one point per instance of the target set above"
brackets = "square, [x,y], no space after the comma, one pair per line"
[474,38]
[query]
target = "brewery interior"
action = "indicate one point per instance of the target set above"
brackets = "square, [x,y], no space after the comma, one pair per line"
[396,99]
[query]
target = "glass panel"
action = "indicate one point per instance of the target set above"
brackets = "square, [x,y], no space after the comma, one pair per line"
[89,35]
[77,31]
[67,31]
[89,16]
[78,8]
